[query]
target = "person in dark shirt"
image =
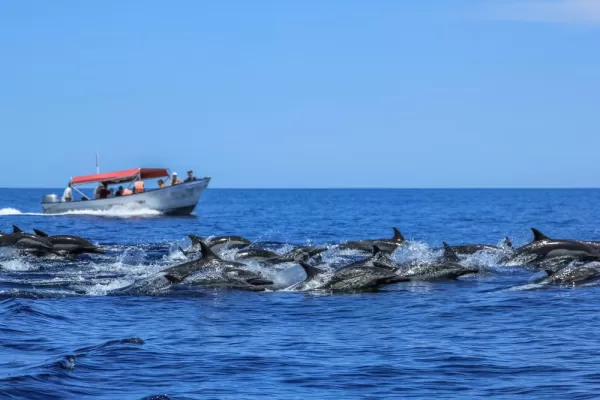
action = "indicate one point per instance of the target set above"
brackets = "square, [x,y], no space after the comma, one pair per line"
[190,177]
[119,192]
[104,192]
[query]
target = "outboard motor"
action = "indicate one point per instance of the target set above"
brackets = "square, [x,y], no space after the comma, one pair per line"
[50,198]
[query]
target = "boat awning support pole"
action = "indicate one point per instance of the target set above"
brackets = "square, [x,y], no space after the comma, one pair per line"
[78,191]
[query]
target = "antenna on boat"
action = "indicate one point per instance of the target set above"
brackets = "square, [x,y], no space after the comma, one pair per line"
[97,164]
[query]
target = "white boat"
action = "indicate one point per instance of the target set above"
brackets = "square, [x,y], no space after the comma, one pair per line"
[179,199]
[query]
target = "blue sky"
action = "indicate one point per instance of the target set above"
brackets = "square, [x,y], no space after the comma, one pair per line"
[461,93]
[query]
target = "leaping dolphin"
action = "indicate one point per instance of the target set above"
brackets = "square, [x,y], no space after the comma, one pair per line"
[26,241]
[303,253]
[387,245]
[468,249]
[218,242]
[445,267]
[255,254]
[230,270]
[370,273]
[377,259]
[230,275]
[543,249]
[539,236]
[349,279]
[70,244]
[573,275]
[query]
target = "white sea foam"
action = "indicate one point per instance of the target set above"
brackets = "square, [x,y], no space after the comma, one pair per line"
[103,289]
[120,212]
[10,211]
[15,265]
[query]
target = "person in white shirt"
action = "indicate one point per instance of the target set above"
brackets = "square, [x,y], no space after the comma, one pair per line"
[175,180]
[68,193]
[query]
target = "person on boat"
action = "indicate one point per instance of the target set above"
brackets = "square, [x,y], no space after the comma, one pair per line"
[138,187]
[119,192]
[161,184]
[97,191]
[104,192]
[175,180]
[68,193]
[127,192]
[190,177]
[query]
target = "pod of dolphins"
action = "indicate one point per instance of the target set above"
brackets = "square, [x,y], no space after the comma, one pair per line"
[41,243]
[565,262]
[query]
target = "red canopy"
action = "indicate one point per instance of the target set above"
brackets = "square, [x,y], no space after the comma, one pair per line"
[121,176]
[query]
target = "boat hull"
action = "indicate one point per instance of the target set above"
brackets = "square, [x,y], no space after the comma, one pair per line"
[179,199]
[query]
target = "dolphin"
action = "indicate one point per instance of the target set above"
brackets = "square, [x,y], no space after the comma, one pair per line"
[386,245]
[316,278]
[70,244]
[26,241]
[468,249]
[539,236]
[230,270]
[349,279]
[303,253]
[543,249]
[355,280]
[255,254]
[573,275]
[230,274]
[218,242]
[445,267]
[378,259]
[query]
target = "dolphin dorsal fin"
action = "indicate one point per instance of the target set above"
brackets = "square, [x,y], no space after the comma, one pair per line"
[317,250]
[376,250]
[398,236]
[185,253]
[449,254]
[538,236]
[206,251]
[310,270]
[508,242]
[195,239]
[16,229]
[40,233]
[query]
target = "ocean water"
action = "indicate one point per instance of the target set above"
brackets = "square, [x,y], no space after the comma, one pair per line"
[494,334]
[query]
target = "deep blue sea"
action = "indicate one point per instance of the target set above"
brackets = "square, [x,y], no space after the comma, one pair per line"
[63,336]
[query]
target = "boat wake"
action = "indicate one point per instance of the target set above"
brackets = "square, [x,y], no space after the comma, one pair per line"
[116,212]
[14,211]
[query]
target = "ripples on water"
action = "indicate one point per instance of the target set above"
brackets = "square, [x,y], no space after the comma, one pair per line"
[486,335]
